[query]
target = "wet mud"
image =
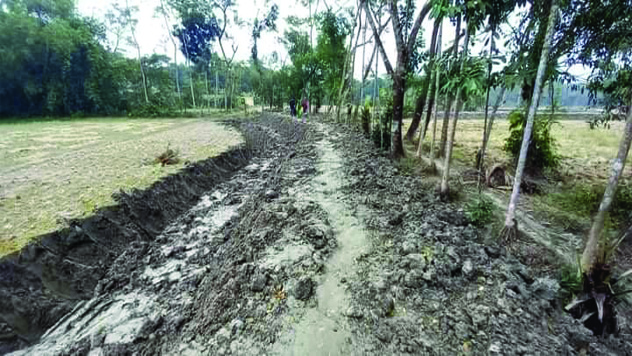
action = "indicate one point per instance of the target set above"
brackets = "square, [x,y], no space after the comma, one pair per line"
[310,243]
[49,277]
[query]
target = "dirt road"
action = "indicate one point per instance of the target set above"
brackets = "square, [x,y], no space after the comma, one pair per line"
[319,246]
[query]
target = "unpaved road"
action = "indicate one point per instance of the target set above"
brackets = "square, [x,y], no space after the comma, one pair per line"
[319,247]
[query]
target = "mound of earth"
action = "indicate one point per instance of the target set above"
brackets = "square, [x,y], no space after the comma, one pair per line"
[316,245]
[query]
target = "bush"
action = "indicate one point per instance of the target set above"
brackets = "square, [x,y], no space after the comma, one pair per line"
[366,119]
[584,199]
[152,110]
[541,153]
[382,131]
[480,211]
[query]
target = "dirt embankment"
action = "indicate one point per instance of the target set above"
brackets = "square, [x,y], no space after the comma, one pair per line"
[432,284]
[319,245]
[48,278]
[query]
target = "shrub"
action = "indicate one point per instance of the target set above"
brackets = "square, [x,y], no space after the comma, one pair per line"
[382,131]
[541,153]
[480,211]
[366,119]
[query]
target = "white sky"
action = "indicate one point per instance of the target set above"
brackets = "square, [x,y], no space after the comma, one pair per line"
[153,37]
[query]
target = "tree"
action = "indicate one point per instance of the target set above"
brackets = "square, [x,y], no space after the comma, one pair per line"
[163,10]
[445,188]
[405,32]
[497,11]
[509,230]
[132,23]
[433,110]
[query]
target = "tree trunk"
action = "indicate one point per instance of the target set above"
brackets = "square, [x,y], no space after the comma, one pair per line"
[593,252]
[447,110]
[175,46]
[216,86]
[421,99]
[510,222]
[490,124]
[479,161]
[192,90]
[226,89]
[363,63]
[140,59]
[445,187]
[399,89]
[433,109]
[422,133]
[342,91]
[450,97]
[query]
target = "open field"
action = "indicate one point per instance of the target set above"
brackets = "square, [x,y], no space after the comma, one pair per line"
[570,195]
[53,171]
[585,153]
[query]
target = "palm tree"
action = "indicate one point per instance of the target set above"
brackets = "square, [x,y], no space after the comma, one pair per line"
[510,229]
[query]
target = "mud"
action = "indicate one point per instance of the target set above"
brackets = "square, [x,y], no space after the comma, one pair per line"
[318,245]
[48,278]
[432,284]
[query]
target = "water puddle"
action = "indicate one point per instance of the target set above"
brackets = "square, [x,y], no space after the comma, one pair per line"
[323,330]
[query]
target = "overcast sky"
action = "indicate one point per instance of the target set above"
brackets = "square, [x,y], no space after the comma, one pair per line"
[153,37]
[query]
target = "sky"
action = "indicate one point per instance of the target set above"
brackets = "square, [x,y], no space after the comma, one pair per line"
[153,36]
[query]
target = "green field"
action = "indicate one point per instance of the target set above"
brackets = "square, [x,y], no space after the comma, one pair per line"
[584,168]
[54,171]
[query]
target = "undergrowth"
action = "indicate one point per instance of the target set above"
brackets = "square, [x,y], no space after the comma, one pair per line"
[541,153]
[480,210]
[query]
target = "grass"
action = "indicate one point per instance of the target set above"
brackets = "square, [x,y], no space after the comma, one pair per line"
[52,171]
[585,162]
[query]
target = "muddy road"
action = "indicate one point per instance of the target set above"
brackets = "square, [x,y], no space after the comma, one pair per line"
[314,244]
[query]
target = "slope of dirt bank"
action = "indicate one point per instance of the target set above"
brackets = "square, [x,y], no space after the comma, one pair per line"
[222,277]
[49,277]
[431,286]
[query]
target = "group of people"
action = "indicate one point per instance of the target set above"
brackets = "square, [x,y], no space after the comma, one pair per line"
[304,106]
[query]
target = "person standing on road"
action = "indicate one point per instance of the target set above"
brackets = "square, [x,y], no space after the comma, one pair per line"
[305,105]
[293,108]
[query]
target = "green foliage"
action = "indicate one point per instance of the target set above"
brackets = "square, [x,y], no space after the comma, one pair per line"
[541,152]
[571,278]
[382,128]
[584,199]
[480,210]
[366,118]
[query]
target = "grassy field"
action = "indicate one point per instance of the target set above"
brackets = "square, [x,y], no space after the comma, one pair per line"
[53,171]
[571,193]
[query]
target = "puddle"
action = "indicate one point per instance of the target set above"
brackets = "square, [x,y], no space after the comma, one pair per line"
[324,330]
[290,254]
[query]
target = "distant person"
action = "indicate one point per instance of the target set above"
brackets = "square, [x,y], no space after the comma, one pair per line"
[293,108]
[305,105]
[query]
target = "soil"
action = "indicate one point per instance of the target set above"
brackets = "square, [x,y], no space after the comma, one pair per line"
[305,241]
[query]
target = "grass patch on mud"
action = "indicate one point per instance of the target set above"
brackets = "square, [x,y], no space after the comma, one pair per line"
[53,171]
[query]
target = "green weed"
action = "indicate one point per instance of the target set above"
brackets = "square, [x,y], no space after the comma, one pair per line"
[480,210]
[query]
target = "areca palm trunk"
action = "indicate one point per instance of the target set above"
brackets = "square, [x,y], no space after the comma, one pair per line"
[510,221]
[490,124]
[445,187]
[450,97]
[422,98]
[433,110]
[592,251]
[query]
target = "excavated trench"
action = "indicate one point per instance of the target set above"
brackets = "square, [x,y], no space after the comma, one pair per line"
[50,277]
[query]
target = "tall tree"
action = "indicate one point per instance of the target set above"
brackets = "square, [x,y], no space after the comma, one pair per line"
[433,111]
[509,230]
[420,103]
[445,187]
[132,23]
[405,32]
[164,11]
